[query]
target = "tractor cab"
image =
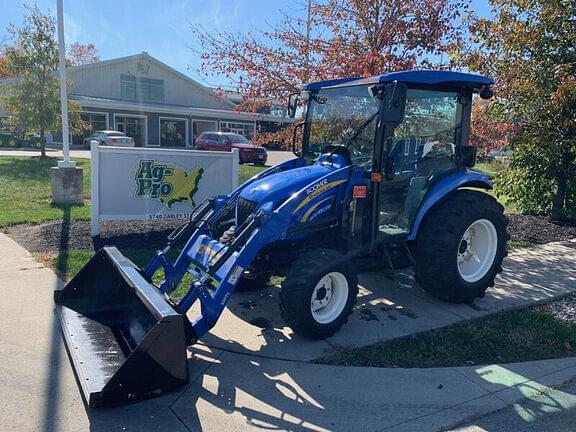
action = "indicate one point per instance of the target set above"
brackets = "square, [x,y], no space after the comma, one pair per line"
[401,131]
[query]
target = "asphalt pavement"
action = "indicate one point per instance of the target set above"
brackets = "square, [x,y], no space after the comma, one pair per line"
[274,156]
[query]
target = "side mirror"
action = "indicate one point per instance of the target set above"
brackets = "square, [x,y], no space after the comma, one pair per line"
[468,156]
[294,133]
[394,103]
[292,104]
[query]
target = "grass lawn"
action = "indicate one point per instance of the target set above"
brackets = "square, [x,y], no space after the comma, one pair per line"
[25,191]
[25,197]
[67,264]
[491,169]
[486,168]
[520,335]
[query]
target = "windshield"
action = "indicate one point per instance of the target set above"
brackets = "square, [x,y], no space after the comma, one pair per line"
[345,116]
[237,139]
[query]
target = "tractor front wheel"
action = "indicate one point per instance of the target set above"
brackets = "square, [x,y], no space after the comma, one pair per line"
[460,247]
[319,293]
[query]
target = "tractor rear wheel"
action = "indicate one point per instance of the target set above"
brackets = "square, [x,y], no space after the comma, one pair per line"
[319,293]
[460,247]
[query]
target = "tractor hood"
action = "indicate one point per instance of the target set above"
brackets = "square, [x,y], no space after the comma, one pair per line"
[277,187]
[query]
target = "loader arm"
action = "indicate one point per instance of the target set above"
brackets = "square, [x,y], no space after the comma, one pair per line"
[216,268]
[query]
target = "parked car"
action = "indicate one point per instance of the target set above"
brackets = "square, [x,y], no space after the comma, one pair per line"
[500,153]
[110,138]
[226,141]
[20,139]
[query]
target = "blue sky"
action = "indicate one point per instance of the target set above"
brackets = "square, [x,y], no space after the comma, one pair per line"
[162,28]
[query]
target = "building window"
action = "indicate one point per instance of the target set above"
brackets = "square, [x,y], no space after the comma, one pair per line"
[173,132]
[94,122]
[246,129]
[201,126]
[133,126]
[142,89]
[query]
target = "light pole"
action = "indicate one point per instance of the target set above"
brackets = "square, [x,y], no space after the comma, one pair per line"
[66,163]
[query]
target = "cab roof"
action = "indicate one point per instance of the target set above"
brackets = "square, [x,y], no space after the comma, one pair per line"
[425,77]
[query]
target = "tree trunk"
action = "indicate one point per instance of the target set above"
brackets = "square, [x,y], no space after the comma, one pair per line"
[561,186]
[42,144]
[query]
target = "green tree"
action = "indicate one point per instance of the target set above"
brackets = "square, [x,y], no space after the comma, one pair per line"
[33,100]
[530,46]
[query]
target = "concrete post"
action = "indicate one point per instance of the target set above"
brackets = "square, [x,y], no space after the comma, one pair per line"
[67,185]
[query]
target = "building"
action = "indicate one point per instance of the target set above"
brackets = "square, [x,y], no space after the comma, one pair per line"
[155,104]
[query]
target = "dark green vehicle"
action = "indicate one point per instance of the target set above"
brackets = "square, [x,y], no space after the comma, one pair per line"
[14,140]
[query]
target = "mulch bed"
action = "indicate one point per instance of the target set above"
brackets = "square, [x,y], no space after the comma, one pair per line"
[563,309]
[54,237]
[539,230]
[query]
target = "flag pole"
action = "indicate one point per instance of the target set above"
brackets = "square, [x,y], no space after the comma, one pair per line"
[66,163]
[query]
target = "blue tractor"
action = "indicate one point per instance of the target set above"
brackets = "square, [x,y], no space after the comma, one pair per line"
[381,174]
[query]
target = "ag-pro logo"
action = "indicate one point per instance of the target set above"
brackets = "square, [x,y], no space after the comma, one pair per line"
[167,182]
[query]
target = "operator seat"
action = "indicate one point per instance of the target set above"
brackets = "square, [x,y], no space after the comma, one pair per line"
[337,156]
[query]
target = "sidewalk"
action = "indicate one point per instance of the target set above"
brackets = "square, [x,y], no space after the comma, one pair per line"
[239,392]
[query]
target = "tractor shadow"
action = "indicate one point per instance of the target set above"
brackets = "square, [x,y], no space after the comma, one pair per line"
[392,305]
[251,372]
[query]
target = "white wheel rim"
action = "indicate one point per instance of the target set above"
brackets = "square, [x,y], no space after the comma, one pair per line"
[329,297]
[477,250]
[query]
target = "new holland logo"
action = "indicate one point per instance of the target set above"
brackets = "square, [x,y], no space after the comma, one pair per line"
[167,182]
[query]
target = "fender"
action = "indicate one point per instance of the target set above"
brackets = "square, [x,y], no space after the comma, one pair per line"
[443,188]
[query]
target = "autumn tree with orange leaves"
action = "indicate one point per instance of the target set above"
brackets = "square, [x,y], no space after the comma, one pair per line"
[80,54]
[489,132]
[346,38]
[529,46]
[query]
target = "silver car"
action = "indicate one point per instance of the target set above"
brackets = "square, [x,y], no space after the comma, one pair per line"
[110,138]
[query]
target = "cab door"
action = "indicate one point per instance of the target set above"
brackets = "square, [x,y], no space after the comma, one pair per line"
[421,149]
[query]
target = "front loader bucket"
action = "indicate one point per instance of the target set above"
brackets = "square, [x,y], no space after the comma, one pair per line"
[124,338]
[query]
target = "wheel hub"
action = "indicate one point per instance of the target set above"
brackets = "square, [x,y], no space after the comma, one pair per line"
[329,297]
[463,246]
[477,250]
[321,294]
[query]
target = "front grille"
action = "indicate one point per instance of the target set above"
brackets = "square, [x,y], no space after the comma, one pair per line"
[244,208]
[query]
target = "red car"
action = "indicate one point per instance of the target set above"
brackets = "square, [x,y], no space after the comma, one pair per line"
[226,141]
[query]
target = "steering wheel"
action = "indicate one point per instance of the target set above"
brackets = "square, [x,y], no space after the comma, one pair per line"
[338,149]
[363,147]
